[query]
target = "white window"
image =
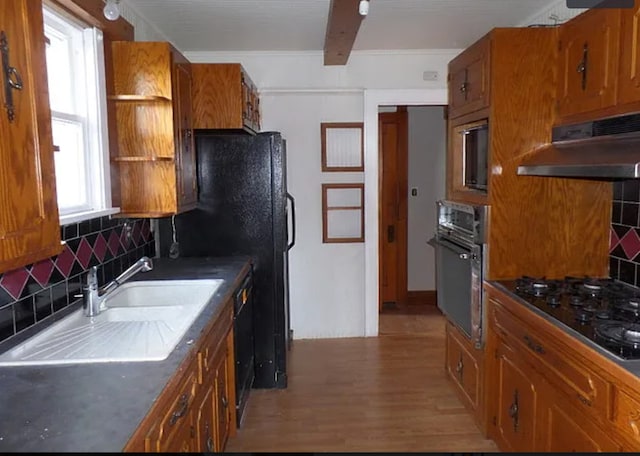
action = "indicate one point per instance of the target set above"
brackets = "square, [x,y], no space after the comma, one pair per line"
[77,95]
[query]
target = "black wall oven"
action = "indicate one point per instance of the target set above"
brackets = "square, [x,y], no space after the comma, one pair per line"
[461,254]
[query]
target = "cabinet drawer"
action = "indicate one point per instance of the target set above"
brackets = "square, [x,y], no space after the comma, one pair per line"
[581,385]
[216,336]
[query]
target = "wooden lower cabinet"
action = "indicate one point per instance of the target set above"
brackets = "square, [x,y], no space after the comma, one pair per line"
[544,395]
[196,410]
[464,368]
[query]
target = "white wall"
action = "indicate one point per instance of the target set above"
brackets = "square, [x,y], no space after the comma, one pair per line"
[427,153]
[327,280]
[556,13]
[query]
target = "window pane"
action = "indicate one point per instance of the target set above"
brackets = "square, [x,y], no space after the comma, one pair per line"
[59,74]
[70,164]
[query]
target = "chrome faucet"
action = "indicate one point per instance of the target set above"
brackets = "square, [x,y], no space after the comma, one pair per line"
[93,296]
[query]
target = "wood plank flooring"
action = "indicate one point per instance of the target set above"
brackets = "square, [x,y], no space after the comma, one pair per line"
[379,394]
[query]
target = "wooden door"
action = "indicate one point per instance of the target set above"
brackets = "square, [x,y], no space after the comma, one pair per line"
[29,226]
[393,146]
[205,416]
[462,368]
[223,406]
[185,147]
[515,413]
[629,71]
[469,79]
[588,62]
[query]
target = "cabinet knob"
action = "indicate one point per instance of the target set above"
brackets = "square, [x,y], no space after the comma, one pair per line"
[463,87]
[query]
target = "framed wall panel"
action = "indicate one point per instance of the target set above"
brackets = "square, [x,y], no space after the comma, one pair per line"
[342,146]
[342,213]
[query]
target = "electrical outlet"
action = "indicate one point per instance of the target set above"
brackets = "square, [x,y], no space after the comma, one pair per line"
[430,76]
[414,191]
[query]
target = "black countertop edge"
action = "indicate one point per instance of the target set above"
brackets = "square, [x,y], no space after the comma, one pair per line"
[632,366]
[97,407]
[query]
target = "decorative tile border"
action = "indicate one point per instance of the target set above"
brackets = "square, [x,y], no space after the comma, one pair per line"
[624,237]
[37,291]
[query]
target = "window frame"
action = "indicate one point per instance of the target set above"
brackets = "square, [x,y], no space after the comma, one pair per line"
[95,121]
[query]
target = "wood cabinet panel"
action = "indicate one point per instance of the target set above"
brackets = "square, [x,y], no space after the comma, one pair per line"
[469,87]
[29,225]
[463,369]
[205,419]
[224,97]
[156,153]
[563,428]
[627,415]
[515,415]
[588,62]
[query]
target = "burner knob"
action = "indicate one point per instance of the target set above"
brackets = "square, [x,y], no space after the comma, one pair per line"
[583,317]
[576,300]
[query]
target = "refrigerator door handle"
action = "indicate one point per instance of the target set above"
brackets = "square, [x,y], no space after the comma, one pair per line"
[293,219]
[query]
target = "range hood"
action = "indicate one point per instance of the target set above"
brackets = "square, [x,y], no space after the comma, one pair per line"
[606,148]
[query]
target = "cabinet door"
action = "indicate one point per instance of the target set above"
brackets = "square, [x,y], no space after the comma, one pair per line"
[223,407]
[588,62]
[629,72]
[29,226]
[462,368]
[563,428]
[205,416]
[515,415]
[185,147]
[469,79]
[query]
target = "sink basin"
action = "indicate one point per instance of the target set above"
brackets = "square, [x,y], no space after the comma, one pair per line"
[140,321]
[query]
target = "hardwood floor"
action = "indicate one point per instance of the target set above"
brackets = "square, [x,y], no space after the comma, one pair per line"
[381,394]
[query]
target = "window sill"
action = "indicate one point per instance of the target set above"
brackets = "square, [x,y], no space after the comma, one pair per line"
[82,216]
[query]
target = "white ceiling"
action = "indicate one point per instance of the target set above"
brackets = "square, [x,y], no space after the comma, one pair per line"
[300,25]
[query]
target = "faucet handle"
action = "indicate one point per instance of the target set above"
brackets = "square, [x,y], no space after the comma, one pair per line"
[92,277]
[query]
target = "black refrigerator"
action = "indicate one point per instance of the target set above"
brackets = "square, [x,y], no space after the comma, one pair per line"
[244,209]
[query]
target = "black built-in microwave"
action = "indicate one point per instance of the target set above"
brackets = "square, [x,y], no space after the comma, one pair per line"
[475,151]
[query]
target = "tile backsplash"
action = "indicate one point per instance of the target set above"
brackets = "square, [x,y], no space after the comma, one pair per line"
[624,246]
[32,293]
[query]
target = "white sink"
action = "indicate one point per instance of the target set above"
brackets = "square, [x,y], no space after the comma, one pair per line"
[141,321]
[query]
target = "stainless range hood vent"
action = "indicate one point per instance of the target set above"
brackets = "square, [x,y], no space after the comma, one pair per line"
[601,149]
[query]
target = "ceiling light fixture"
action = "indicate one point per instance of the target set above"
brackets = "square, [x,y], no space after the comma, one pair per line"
[363,9]
[111,10]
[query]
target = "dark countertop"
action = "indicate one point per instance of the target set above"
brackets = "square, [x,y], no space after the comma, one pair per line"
[97,407]
[632,366]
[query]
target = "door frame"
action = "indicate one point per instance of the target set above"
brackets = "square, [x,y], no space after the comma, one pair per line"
[372,100]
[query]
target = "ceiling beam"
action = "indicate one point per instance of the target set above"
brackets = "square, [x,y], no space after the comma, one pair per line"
[342,28]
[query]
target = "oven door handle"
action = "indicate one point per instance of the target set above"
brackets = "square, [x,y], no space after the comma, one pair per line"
[464,253]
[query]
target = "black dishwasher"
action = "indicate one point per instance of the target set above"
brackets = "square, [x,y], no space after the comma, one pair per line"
[243,343]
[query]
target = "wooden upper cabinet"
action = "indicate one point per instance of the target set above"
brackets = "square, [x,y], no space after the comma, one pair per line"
[629,71]
[469,79]
[224,97]
[29,224]
[588,63]
[156,152]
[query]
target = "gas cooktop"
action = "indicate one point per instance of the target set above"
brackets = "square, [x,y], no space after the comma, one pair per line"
[605,311]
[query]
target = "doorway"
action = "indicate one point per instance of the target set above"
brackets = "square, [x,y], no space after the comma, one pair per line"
[412,144]
[374,100]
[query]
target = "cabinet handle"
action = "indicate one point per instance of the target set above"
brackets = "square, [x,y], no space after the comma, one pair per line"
[209,437]
[463,87]
[12,79]
[391,233]
[582,66]
[225,402]
[513,411]
[584,400]
[460,367]
[533,346]
[182,410]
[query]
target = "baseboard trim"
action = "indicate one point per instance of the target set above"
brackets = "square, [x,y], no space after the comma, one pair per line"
[422,298]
